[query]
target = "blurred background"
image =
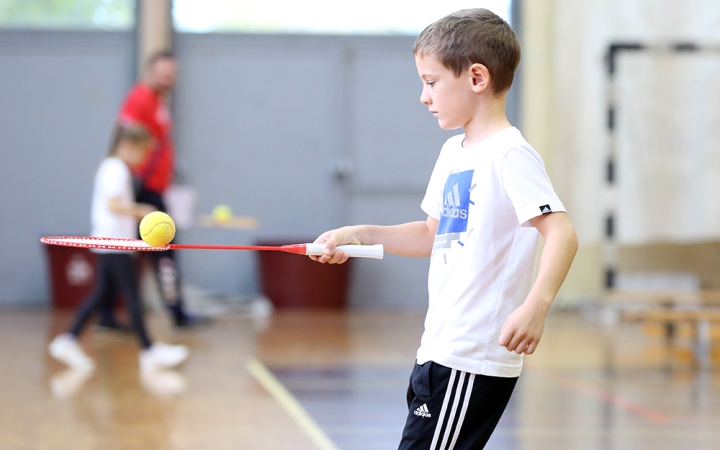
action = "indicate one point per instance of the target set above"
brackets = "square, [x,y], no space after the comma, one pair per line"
[311,119]
[305,116]
[307,120]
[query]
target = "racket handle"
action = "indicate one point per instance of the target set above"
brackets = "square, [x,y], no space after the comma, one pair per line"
[356,251]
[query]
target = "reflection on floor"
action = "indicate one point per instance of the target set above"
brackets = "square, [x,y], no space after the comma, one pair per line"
[358,407]
[587,387]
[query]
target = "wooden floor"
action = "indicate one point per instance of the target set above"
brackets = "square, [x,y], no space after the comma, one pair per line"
[308,380]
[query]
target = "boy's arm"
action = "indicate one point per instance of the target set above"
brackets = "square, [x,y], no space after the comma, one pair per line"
[407,239]
[523,328]
[137,210]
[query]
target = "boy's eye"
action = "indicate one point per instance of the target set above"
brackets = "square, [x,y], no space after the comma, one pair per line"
[430,83]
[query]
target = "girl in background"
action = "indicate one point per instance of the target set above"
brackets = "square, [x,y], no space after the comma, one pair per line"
[115,214]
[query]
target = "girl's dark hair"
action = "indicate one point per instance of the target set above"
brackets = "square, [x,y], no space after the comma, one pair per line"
[133,133]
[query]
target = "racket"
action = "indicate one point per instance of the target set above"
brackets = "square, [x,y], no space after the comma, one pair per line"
[137,245]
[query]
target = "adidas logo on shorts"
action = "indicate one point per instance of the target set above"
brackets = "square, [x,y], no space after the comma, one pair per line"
[423,411]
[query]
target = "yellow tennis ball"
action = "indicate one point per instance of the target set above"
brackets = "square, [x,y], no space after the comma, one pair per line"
[221,214]
[157,229]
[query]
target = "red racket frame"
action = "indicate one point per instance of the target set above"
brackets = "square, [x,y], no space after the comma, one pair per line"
[137,245]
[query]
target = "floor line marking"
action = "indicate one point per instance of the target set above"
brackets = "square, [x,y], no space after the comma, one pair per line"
[605,396]
[290,404]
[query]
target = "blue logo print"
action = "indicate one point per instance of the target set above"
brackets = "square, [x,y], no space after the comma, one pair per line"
[456,202]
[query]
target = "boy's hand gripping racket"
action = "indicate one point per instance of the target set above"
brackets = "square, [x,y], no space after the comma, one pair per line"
[137,245]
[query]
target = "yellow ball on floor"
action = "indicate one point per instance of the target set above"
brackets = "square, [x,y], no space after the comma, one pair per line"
[222,214]
[157,229]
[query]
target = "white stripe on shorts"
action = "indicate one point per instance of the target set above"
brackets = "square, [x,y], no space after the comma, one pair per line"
[453,410]
[436,436]
[459,392]
[466,400]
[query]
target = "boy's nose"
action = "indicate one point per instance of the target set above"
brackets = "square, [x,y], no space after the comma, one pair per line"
[425,98]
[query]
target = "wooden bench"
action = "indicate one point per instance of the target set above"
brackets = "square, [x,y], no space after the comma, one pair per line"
[670,315]
[701,309]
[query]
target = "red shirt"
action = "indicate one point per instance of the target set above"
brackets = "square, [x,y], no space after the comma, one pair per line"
[146,107]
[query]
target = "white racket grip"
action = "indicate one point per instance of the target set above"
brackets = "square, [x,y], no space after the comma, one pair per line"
[356,251]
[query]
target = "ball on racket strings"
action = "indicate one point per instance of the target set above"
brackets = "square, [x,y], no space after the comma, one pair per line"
[221,214]
[157,229]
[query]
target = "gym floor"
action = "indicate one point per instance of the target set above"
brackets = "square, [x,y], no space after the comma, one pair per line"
[325,380]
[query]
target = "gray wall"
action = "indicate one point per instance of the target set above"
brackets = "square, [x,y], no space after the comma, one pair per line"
[262,122]
[58,95]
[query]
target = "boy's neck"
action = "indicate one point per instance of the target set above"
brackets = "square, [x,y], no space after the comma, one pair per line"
[489,119]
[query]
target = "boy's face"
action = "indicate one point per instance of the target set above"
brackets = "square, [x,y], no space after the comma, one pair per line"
[448,97]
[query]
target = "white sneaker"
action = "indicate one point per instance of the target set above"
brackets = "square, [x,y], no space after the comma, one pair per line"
[162,356]
[66,349]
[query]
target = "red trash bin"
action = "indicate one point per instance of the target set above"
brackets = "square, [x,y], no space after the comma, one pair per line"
[72,275]
[296,281]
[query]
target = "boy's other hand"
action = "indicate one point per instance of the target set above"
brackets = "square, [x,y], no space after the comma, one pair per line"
[332,239]
[523,328]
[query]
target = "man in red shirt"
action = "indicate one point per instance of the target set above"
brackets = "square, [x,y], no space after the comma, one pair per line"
[145,104]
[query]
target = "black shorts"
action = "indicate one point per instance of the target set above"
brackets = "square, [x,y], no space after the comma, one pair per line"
[452,410]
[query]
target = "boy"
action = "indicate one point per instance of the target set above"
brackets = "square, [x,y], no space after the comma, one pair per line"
[487,199]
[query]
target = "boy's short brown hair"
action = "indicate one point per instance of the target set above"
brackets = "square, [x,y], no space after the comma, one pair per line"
[471,36]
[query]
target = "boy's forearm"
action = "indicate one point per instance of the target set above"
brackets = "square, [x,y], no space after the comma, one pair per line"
[408,239]
[560,247]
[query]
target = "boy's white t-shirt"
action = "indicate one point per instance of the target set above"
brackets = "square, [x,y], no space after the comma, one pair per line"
[112,180]
[483,258]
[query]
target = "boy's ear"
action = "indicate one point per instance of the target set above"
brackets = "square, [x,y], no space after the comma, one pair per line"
[480,77]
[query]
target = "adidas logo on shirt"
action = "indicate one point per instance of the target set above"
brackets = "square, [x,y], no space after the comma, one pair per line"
[452,206]
[545,209]
[423,411]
